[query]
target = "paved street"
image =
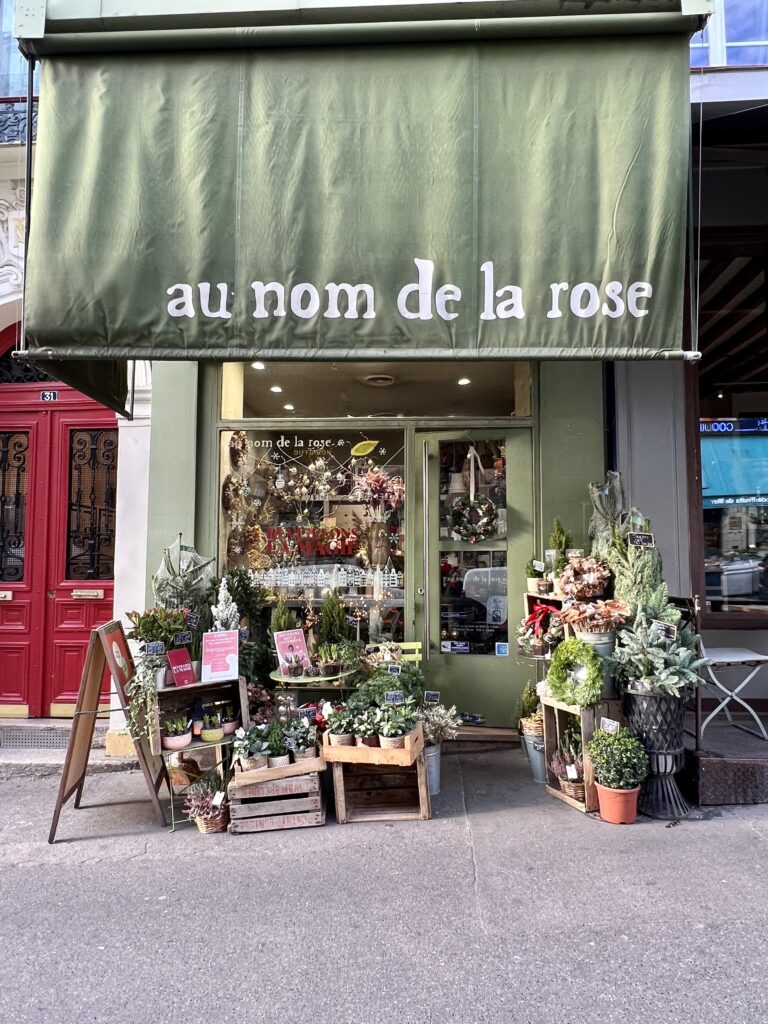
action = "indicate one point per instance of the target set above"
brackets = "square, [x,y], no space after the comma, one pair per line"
[508,906]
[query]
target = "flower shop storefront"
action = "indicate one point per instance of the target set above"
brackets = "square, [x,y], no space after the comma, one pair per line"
[309,219]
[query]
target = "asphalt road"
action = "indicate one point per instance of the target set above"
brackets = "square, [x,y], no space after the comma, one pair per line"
[508,906]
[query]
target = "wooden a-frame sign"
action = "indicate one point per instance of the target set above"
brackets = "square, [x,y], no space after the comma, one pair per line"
[107,647]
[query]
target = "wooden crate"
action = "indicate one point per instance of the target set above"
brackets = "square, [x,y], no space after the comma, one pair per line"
[557,716]
[400,756]
[311,764]
[366,792]
[294,801]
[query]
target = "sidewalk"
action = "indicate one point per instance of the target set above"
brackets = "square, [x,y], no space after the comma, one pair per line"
[507,906]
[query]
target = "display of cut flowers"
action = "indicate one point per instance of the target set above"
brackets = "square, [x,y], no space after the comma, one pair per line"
[595,616]
[584,578]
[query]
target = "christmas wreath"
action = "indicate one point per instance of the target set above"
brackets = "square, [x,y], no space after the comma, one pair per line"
[473,519]
[576,673]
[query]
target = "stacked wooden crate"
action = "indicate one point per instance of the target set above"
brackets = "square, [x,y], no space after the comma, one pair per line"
[277,798]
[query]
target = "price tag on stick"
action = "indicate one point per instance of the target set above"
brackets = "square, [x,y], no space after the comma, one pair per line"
[665,630]
[571,772]
[431,696]
[393,697]
[610,725]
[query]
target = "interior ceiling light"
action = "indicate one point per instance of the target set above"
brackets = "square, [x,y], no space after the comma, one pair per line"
[276,389]
[720,394]
[379,380]
[463,381]
[259,366]
[289,407]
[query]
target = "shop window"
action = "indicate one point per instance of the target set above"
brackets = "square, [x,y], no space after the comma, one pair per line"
[473,567]
[310,511]
[14,449]
[92,505]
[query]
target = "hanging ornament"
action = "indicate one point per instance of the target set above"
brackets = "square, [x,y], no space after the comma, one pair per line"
[474,518]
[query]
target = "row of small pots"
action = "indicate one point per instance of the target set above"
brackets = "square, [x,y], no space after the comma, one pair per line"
[180,741]
[348,739]
[252,764]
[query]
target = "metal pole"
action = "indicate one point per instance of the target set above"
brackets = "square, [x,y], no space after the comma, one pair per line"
[21,344]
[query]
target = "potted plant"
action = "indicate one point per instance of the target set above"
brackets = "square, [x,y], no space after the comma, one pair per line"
[584,578]
[620,764]
[655,673]
[329,658]
[279,755]
[294,666]
[251,748]
[532,577]
[212,730]
[158,625]
[440,724]
[595,623]
[365,726]
[567,764]
[394,724]
[301,738]
[340,727]
[229,719]
[532,729]
[206,804]
[177,733]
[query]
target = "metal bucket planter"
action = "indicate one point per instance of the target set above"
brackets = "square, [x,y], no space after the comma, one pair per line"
[656,719]
[604,644]
[432,758]
[534,745]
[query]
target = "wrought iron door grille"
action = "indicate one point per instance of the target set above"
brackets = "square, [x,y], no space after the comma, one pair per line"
[14,448]
[92,500]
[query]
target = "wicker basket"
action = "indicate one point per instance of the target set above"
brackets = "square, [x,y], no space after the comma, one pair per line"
[218,823]
[536,731]
[575,790]
[252,764]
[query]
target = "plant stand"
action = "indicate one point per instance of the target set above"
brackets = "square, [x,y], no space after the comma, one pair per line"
[657,721]
[557,717]
[276,798]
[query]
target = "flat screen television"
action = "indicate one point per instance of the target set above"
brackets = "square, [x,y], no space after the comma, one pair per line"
[734,462]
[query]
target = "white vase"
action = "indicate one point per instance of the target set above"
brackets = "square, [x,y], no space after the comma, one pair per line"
[164,679]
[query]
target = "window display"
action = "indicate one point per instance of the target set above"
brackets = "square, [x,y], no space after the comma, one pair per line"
[310,514]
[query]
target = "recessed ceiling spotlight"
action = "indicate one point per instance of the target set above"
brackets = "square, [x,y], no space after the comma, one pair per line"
[259,366]
[276,389]
[289,407]
[720,394]
[379,380]
[463,381]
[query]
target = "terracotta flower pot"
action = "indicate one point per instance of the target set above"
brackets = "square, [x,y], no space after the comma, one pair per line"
[367,741]
[617,806]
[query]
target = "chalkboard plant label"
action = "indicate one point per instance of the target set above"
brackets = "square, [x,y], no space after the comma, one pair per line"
[664,630]
[641,540]
[431,696]
[182,639]
[155,649]
[611,726]
[395,670]
[393,697]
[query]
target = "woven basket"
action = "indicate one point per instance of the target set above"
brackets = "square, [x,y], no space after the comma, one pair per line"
[216,824]
[252,764]
[536,732]
[575,790]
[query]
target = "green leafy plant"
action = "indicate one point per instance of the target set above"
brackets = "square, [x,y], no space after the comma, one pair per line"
[636,571]
[141,691]
[177,726]
[440,724]
[372,692]
[248,595]
[576,674]
[527,702]
[250,743]
[619,760]
[560,541]
[256,662]
[156,624]
[276,740]
[282,617]
[531,572]
[333,621]
[329,652]
[212,720]
[340,721]
[644,660]
[367,722]
[397,719]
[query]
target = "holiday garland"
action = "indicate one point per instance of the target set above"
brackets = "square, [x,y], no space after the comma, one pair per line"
[473,519]
[571,657]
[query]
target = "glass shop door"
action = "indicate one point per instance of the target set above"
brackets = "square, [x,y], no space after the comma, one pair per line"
[473,526]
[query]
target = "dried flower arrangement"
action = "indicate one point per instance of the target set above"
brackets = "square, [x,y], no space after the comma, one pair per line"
[595,616]
[584,578]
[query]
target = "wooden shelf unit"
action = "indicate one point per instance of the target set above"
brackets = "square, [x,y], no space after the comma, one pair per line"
[557,717]
[174,698]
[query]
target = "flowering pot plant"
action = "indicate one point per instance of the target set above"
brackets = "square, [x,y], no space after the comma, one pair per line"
[329,658]
[204,805]
[396,721]
[340,724]
[584,578]
[440,723]
[213,728]
[567,763]
[177,733]
[250,747]
[365,724]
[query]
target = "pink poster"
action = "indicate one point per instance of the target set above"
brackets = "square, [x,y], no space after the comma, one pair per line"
[220,656]
[291,644]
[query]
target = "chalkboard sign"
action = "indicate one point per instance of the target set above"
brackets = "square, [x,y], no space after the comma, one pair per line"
[610,725]
[539,566]
[182,639]
[624,518]
[393,697]
[641,540]
[665,629]
[431,696]
[395,670]
[243,635]
[193,621]
[155,648]
[308,713]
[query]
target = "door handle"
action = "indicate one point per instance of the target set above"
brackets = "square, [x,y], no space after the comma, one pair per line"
[425,553]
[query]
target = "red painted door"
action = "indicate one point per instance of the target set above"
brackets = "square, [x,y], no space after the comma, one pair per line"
[58,475]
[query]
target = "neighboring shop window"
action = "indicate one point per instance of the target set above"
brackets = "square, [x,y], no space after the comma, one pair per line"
[473,575]
[14,449]
[734,482]
[313,511]
[92,503]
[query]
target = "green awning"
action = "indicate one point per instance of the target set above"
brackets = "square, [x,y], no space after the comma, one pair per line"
[516,198]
